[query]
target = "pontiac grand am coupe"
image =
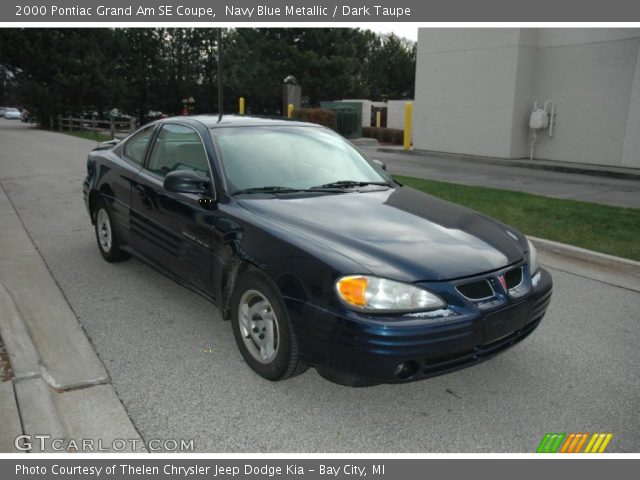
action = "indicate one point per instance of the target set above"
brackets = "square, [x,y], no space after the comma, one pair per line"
[316,255]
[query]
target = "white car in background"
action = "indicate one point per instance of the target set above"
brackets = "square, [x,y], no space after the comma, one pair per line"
[12,114]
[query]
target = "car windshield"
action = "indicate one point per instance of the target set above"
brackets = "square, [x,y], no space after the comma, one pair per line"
[289,158]
[12,110]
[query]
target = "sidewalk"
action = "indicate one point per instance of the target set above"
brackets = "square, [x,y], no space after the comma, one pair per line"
[59,386]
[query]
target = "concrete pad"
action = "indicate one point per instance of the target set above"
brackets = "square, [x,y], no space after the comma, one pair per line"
[96,414]
[11,224]
[18,245]
[49,350]
[23,355]
[13,237]
[67,357]
[9,418]
[64,350]
[38,412]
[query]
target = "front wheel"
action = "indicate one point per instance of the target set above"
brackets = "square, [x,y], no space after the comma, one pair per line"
[262,328]
[108,241]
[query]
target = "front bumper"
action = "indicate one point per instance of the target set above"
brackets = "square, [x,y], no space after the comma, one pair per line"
[346,348]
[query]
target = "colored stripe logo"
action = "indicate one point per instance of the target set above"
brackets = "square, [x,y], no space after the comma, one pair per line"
[574,443]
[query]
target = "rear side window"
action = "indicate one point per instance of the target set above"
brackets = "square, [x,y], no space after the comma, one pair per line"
[178,148]
[136,146]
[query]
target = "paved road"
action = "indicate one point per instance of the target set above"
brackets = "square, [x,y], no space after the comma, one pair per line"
[175,366]
[610,191]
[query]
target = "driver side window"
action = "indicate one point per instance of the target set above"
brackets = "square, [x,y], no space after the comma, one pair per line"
[178,148]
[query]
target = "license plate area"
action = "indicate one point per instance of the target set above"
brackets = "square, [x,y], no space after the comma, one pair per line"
[503,323]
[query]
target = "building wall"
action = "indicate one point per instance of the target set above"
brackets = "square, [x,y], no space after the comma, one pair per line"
[465,83]
[475,90]
[523,93]
[631,147]
[395,113]
[590,84]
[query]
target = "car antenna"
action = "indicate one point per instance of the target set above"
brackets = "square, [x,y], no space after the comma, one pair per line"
[220,96]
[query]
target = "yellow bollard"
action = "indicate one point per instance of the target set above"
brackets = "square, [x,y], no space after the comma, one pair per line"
[378,118]
[241,106]
[408,111]
[290,110]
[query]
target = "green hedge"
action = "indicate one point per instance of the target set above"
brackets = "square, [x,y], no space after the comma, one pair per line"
[321,116]
[384,135]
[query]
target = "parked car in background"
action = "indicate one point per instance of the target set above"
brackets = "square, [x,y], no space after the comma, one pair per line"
[153,115]
[12,113]
[2,110]
[314,253]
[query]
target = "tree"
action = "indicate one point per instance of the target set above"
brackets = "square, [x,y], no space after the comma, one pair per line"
[59,71]
[392,68]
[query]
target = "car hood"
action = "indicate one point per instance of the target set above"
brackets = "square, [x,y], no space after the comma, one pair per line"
[397,233]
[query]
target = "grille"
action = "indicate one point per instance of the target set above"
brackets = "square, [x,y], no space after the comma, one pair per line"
[513,278]
[478,290]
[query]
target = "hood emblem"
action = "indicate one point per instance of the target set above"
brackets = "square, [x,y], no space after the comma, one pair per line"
[502,282]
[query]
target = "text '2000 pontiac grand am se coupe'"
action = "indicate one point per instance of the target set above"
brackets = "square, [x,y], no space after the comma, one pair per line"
[316,255]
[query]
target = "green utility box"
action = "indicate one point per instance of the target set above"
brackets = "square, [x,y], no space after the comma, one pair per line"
[348,117]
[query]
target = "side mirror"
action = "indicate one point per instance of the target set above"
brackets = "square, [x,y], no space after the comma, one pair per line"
[380,163]
[186,181]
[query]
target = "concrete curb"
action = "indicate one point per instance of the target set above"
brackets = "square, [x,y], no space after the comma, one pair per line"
[615,271]
[23,355]
[31,294]
[60,387]
[579,168]
[594,258]
[9,417]
[33,406]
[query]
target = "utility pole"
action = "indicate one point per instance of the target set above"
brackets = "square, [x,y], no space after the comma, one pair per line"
[220,95]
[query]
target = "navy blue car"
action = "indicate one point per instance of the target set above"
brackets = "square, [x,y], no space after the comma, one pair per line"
[315,254]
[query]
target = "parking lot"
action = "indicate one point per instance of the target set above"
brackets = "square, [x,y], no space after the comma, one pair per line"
[174,363]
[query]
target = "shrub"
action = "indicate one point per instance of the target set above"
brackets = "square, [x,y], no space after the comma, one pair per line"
[385,135]
[321,116]
[369,132]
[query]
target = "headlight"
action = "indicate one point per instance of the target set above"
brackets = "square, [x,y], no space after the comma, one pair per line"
[532,258]
[379,294]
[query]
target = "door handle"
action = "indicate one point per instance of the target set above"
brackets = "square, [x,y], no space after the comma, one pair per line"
[140,190]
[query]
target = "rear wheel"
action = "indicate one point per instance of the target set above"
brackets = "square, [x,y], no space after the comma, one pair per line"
[108,241]
[262,328]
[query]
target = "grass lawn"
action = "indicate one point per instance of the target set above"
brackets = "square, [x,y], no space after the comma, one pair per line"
[89,135]
[612,230]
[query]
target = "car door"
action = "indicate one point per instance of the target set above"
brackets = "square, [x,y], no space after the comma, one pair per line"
[169,228]
[128,159]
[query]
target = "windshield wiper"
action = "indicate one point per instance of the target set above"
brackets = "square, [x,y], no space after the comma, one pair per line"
[350,184]
[266,189]
[277,189]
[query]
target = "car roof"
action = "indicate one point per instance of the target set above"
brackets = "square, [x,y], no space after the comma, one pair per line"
[213,121]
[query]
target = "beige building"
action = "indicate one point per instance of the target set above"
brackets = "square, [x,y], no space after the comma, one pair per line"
[476,88]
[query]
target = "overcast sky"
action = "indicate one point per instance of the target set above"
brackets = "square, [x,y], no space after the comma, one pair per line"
[408,31]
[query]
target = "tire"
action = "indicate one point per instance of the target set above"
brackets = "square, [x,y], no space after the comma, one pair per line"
[106,235]
[262,328]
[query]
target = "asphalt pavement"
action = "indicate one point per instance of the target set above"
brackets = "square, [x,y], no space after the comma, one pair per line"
[175,367]
[619,192]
